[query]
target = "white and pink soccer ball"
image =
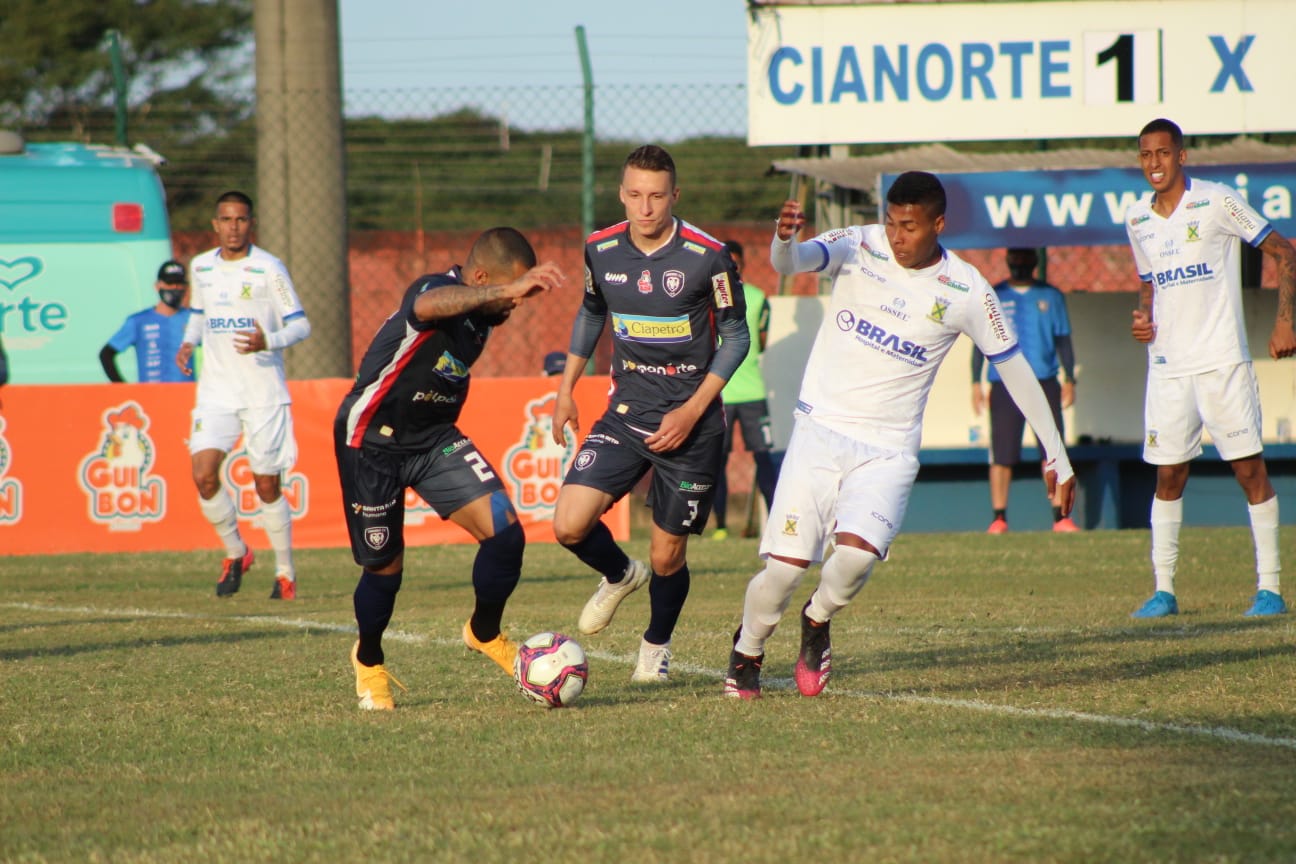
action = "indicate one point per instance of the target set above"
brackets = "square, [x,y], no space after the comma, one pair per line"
[551,670]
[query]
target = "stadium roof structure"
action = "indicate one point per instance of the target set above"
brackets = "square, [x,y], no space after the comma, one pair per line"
[860,173]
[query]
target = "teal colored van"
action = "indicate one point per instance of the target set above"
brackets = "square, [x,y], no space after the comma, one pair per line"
[83,230]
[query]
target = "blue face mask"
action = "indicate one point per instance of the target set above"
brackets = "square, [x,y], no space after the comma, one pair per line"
[172,297]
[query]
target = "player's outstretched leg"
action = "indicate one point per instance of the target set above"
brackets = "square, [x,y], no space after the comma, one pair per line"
[743,678]
[599,609]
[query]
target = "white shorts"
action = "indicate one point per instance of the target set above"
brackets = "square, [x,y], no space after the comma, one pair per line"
[1224,401]
[831,483]
[267,435]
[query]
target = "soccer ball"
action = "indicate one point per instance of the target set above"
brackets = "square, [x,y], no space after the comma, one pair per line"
[551,669]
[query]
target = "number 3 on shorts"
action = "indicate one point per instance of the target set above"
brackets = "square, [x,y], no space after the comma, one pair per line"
[693,508]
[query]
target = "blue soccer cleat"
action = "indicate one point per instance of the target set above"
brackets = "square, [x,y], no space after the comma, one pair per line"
[1266,603]
[1159,605]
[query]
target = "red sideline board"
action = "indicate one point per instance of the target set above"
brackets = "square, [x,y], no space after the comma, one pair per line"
[105,467]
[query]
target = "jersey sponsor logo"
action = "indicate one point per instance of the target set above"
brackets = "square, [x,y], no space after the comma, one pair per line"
[451,449]
[435,398]
[251,269]
[673,282]
[695,248]
[536,464]
[895,309]
[835,234]
[450,367]
[995,316]
[584,459]
[1193,235]
[607,244]
[1239,213]
[804,407]
[222,324]
[691,486]
[1139,220]
[645,282]
[616,278]
[668,369]
[282,292]
[372,510]
[723,291]
[1186,273]
[881,256]
[878,337]
[1169,249]
[117,476]
[11,490]
[602,438]
[1193,205]
[650,329]
[939,307]
[952,283]
[376,537]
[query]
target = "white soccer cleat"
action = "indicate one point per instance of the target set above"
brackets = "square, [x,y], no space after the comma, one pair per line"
[654,664]
[600,608]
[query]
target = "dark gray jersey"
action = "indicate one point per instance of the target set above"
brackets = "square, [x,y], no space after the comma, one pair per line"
[664,309]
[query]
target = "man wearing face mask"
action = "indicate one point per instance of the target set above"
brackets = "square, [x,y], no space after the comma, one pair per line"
[155,333]
[1038,314]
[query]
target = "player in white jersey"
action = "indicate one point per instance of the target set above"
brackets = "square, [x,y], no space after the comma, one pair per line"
[899,301]
[245,312]
[1186,240]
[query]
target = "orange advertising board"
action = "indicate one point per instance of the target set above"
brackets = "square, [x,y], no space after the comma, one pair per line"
[105,467]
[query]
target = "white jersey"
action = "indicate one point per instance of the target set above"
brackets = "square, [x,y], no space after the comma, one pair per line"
[886,332]
[228,296]
[1192,260]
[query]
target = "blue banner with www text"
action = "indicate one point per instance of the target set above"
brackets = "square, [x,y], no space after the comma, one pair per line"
[992,209]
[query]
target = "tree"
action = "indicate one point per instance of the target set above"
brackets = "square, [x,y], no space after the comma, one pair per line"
[55,70]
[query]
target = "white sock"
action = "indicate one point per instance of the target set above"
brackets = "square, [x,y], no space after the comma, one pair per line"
[219,510]
[1264,530]
[768,595]
[1167,519]
[276,519]
[844,574]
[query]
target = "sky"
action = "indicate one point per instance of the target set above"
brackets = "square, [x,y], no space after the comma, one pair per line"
[417,45]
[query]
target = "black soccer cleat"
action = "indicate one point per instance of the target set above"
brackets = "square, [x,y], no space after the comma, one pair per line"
[814,663]
[231,578]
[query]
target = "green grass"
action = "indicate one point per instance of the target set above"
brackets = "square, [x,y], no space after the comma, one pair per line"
[991,701]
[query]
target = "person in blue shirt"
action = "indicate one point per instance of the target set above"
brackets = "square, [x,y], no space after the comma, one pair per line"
[155,333]
[1038,312]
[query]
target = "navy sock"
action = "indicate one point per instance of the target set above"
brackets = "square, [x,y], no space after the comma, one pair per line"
[766,476]
[601,552]
[374,600]
[720,500]
[666,595]
[496,571]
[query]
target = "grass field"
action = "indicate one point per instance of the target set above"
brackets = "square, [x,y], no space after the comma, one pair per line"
[991,701]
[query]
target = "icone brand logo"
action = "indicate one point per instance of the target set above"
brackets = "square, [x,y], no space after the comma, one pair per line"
[120,491]
[11,491]
[535,466]
[1187,273]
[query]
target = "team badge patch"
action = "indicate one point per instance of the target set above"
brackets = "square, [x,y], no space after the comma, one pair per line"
[673,282]
[790,524]
[1193,236]
[376,538]
[584,459]
[938,310]
[1152,438]
[246,292]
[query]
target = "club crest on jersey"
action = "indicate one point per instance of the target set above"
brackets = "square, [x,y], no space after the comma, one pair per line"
[938,310]
[245,293]
[376,537]
[790,524]
[673,282]
[1152,438]
[584,459]
[645,282]
[1193,236]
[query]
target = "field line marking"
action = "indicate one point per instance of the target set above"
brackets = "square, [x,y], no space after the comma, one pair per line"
[1220,733]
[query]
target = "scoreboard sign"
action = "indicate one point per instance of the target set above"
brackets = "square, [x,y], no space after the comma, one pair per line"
[997,71]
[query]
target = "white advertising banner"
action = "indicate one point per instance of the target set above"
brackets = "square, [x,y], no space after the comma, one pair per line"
[1015,70]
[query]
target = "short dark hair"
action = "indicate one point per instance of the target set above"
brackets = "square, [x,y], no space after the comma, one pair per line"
[919,188]
[1024,250]
[501,247]
[650,157]
[733,247]
[1161,124]
[237,197]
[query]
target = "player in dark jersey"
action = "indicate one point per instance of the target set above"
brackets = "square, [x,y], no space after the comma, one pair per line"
[670,290]
[396,430]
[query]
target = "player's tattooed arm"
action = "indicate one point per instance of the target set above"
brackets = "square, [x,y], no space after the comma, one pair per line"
[1143,328]
[451,300]
[1282,343]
